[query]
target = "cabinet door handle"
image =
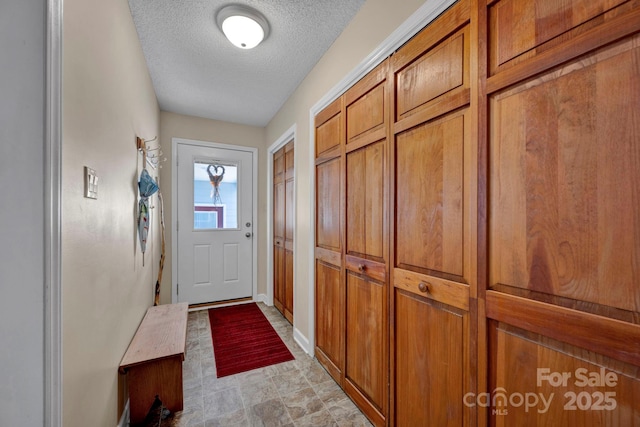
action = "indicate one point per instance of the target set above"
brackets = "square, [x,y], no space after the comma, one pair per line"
[362,268]
[424,287]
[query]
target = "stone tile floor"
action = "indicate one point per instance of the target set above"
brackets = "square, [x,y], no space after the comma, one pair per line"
[296,393]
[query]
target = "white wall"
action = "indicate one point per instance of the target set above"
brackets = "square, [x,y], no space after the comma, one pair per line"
[108,100]
[22,67]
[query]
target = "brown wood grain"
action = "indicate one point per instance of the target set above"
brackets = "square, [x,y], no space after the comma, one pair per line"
[288,285]
[517,27]
[161,334]
[429,345]
[613,338]
[162,378]
[328,227]
[436,73]
[278,195]
[283,205]
[153,360]
[429,196]
[446,291]
[366,374]
[328,256]
[289,208]
[366,200]
[523,363]
[374,269]
[366,338]
[328,132]
[366,113]
[433,186]
[278,275]
[330,314]
[593,36]
[565,181]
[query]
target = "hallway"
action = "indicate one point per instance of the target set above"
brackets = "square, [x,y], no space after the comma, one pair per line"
[296,393]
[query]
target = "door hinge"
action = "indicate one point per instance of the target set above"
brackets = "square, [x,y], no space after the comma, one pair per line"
[177,288]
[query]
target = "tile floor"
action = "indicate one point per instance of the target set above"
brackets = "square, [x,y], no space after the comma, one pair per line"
[296,393]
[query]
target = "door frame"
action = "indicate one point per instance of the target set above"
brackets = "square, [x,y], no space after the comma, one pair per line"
[288,136]
[52,150]
[174,209]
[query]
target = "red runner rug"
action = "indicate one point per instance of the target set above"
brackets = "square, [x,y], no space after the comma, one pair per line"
[243,339]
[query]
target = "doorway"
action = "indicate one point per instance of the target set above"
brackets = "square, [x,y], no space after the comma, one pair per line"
[215,201]
[283,229]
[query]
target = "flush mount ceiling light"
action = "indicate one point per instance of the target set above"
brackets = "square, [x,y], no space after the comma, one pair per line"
[244,27]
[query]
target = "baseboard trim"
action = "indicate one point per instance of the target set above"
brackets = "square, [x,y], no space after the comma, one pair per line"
[124,419]
[302,341]
[262,298]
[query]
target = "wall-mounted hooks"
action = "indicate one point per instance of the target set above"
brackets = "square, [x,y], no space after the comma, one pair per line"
[150,155]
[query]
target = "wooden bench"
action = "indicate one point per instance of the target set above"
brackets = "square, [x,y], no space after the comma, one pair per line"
[153,361]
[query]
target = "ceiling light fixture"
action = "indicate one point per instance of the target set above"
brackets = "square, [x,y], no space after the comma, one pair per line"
[244,27]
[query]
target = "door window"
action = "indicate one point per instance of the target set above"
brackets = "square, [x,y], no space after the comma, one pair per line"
[215,195]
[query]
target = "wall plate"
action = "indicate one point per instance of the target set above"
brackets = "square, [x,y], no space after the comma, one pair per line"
[90,183]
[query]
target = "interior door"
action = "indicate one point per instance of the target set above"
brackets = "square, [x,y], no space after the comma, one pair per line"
[215,224]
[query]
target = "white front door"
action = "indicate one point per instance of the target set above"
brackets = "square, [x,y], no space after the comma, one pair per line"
[215,223]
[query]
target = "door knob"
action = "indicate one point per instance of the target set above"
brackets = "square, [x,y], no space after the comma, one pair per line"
[248,234]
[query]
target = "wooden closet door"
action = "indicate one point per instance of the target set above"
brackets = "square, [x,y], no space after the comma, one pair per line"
[329,286]
[288,229]
[564,211]
[278,230]
[366,368]
[433,353]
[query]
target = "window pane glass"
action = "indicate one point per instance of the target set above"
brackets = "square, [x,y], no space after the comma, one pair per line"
[215,195]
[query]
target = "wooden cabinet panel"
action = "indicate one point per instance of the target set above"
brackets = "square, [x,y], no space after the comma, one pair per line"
[433,351]
[366,355]
[288,285]
[446,291]
[517,27]
[616,338]
[366,113]
[278,275]
[328,133]
[367,107]
[437,72]
[278,165]
[429,196]
[432,71]
[288,208]
[565,204]
[365,201]
[330,316]
[430,344]
[278,211]
[539,381]
[328,233]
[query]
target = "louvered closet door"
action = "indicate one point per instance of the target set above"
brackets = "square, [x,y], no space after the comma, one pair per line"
[330,292]
[433,255]
[366,369]
[564,211]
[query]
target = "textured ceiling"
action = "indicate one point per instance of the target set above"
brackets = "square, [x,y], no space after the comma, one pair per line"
[196,71]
